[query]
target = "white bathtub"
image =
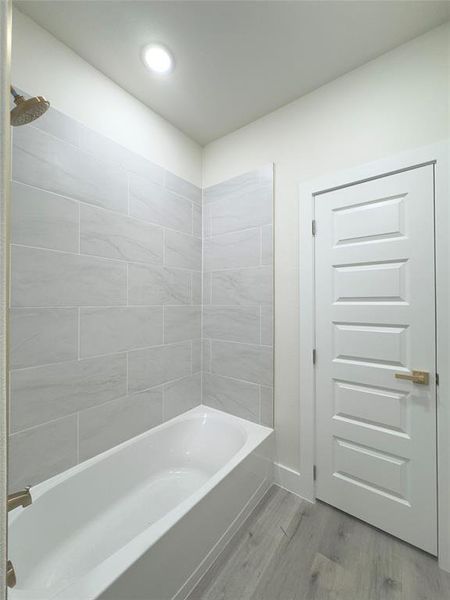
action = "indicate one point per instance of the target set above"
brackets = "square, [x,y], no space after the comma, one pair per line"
[144,520]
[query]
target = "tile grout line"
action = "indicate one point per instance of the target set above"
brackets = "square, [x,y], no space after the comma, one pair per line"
[210,236]
[260,325]
[79,228]
[78,438]
[149,265]
[106,306]
[113,163]
[89,357]
[260,247]
[237,379]
[79,335]
[128,194]
[184,342]
[260,404]
[202,283]
[102,404]
[127,380]
[208,341]
[115,260]
[163,247]
[164,325]
[163,402]
[45,423]
[113,212]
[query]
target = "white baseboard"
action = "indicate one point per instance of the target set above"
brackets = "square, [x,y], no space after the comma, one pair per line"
[290,480]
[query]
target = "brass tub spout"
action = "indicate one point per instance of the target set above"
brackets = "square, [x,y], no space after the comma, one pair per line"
[10,575]
[22,498]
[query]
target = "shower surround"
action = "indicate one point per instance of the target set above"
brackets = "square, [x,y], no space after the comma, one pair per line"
[105,296]
[108,338]
[237,327]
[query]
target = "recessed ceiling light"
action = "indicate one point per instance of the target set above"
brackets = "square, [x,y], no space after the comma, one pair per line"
[157,58]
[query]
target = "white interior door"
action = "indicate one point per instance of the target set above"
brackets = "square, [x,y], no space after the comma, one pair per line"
[375,319]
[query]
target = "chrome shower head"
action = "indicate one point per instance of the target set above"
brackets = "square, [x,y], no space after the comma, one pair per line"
[27,111]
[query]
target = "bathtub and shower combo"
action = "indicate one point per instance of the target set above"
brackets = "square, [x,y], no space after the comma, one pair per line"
[146,518]
[144,515]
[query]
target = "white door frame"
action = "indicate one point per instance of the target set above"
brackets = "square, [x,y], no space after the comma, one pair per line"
[439,155]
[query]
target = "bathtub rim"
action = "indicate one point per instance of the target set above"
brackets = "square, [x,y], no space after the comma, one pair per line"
[102,575]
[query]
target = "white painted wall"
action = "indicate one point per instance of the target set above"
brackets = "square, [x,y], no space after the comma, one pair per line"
[44,66]
[394,103]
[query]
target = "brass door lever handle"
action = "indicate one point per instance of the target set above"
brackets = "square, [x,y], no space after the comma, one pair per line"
[421,377]
[22,498]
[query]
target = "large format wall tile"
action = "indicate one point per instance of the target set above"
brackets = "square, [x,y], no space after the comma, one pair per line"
[239,324]
[266,245]
[105,243]
[40,394]
[237,363]
[266,406]
[206,355]
[153,366]
[232,250]
[181,395]
[183,251]
[182,323]
[104,233]
[41,452]
[46,162]
[267,324]
[249,362]
[98,145]
[239,398]
[183,188]
[153,203]
[242,286]
[240,187]
[196,287]
[158,285]
[43,219]
[105,426]
[196,356]
[59,125]
[234,213]
[47,278]
[43,335]
[108,330]
[197,220]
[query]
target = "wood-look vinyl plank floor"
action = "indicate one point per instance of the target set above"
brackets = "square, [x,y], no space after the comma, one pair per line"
[290,549]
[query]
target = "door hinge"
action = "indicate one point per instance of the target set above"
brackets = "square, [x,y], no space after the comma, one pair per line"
[314,472]
[313,227]
[314,356]
[437,378]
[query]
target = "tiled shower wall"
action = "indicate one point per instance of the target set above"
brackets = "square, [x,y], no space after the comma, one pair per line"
[106,294]
[237,331]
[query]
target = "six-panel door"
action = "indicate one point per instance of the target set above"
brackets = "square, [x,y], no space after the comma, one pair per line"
[375,318]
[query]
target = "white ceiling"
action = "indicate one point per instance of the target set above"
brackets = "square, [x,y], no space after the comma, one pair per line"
[235,60]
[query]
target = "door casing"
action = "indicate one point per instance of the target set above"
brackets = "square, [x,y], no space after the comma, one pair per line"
[438,155]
